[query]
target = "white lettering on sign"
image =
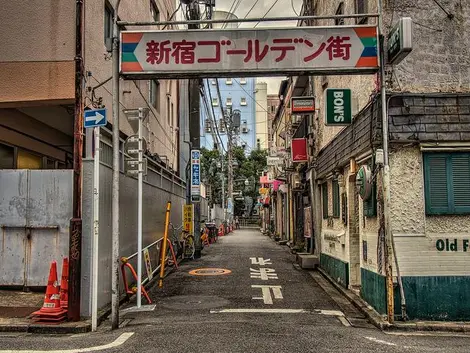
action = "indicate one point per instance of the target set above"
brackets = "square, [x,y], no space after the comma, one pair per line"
[263,273]
[260,261]
[266,291]
[338,106]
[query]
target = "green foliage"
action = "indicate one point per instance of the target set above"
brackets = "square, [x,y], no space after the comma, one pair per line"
[249,168]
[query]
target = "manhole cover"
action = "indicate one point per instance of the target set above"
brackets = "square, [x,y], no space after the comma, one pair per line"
[193,302]
[209,272]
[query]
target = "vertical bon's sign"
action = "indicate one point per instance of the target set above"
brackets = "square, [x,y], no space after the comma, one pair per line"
[195,175]
[338,106]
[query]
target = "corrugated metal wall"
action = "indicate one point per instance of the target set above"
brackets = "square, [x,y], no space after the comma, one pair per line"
[35,211]
[157,190]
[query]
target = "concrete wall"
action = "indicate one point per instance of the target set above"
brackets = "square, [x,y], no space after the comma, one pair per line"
[261,108]
[38,41]
[157,191]
[416,234]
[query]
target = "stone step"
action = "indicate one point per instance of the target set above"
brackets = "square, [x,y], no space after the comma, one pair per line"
[307,261]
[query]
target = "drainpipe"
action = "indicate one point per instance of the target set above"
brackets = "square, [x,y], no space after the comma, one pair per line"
[75,235]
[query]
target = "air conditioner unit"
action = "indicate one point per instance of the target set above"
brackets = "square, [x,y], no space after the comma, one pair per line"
[245,129]
[243,145]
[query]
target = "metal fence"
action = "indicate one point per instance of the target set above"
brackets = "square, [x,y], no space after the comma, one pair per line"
[35,211]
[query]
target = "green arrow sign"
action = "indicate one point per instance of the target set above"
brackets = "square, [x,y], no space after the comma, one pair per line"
[338,106]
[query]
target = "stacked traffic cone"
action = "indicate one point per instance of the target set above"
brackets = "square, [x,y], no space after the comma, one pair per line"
[51,310]
[64,284]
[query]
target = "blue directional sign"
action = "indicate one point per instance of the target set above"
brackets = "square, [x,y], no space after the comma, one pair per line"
[195,175]
[95,117]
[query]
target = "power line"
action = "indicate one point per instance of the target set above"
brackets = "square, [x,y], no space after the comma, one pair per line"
[214,118]
[249,95]
[275,2]
[249,11]
[173,15]
[293,7]
[218,138]
[156,118]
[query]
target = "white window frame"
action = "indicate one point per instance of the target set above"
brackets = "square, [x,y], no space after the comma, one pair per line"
[228,101]
[228,81]
[215,102]
[243,101]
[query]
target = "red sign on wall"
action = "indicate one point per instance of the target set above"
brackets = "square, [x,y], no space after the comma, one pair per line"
[299,150]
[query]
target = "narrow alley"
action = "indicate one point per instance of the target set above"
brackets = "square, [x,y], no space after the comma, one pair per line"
[215,312]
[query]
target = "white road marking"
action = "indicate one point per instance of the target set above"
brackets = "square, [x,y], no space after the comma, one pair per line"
[330,312]
[260,261]
[376,340]
[263,273]
[135,309]
[344,321]
[266,289]
[264,311]
[119,341]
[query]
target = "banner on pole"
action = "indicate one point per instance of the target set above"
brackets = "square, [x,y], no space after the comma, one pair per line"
[188,218]
[201,53]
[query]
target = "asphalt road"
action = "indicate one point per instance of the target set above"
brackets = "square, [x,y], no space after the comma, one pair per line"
[264,304]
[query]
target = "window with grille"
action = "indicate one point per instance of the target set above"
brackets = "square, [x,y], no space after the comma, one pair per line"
[340,11]
[447,183]
[336,199]
[154,94]
[324,194]
[361,8]
[108,25]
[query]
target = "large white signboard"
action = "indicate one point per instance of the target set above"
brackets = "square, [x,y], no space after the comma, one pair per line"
[209,53]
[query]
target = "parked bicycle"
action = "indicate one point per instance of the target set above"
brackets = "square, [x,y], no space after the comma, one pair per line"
[182,242]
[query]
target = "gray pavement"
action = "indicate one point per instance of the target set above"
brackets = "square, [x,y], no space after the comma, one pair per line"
[229,313]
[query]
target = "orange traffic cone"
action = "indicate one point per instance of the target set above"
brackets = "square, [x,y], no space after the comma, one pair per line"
[64,284]
[51,310]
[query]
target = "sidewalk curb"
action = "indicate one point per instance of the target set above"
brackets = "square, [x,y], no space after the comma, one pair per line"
[374,317]
[65,328]
[377,320]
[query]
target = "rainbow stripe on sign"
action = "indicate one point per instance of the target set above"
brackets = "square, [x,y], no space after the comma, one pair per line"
[368,37]
[129,42]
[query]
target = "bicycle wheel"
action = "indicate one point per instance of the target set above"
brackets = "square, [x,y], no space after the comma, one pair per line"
[189,247]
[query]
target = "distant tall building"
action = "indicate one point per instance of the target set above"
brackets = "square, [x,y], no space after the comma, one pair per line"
[261,126]
[273,104]
[236,93]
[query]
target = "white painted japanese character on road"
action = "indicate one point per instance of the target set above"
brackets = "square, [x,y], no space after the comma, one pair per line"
[263,273]
[266,291]
[260,261]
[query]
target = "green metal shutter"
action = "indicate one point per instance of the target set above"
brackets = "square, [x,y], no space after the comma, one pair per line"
[436,173]
[336,203]
[461,182]
[324,192]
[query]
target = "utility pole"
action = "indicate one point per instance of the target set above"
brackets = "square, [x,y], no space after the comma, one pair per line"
[75,232]
[230,158]
[116,172]
[195,129]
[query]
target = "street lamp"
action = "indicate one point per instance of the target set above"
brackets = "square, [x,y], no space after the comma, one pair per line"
[137,116]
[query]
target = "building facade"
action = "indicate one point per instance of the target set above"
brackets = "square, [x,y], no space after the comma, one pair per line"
[236,94]
[261,120]
[38,105]
[428,105]
[273,103]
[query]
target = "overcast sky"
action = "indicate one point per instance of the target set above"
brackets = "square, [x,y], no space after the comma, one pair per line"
[281,8]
